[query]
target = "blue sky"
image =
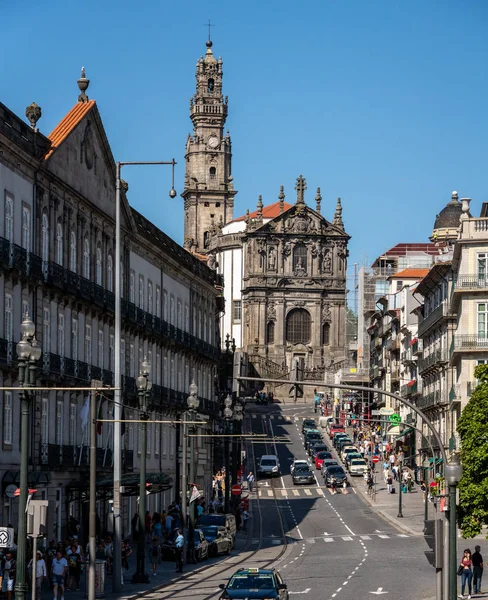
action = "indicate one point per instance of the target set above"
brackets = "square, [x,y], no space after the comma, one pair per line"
[381,102]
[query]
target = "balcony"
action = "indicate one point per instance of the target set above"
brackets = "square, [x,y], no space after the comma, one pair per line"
[81,370]
[467,284]
[107,377]
[417,347]
[410,389]
[55,275]
[99,296]
[463,343]
[110,302]
[6,352]
[395,344]
[378,342]
[72,282]
[395,374]
[34,267]
[140,318]
[86,289]
[434,360]
[131,313]
[61,457]
[18,259]
[460,392]
[434,318]
[406,357]
[454,396]
[51,364]
[430,400]
[69,367]
[4,253]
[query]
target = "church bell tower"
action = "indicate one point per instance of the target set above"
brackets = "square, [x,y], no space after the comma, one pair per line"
[209,189]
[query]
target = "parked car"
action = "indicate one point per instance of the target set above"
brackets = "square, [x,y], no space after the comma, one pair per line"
[344,442]
[303,475]
[351,456]
[219,539]
[358,467]
[269,465]
[347,450]
[308,424]
[316,444]
[337,473]
[226,521]
[320,457]
[319,448]
[339,438]
[313,436]
[328,462]
[298,463]
[201,547]
[336,428]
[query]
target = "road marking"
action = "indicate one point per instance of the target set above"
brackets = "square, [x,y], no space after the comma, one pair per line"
[384,537]
[296,492]
[284,493]
[402,535]
[328,539]
[270,492]
[347,538]
[379,591]
[305,591]
[260,493]
[320,492]
[365,537]
[311,541]
[307,492]
[299,533]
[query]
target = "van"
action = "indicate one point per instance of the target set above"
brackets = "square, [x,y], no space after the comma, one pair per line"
[227,521]
[324,421]
[269,465]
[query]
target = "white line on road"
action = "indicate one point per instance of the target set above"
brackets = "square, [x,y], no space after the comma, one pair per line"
[299,533]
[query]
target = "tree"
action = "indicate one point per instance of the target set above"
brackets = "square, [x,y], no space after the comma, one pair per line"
[473,430]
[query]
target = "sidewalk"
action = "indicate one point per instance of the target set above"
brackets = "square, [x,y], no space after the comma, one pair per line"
[165,575]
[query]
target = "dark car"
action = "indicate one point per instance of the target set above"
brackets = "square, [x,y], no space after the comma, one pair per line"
[303,475]
[329,462]
[218,538]
[338,438]
[226,521]
[316,444]
[335,473]
[308,424]
[343,443]
[321,447]
[255,583]
[201,547]
[312,437]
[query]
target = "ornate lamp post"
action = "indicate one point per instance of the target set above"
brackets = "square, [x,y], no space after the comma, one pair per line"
[426,466]
[144,385]
[453,471]
[400,484]
[227,417]
[236,446]
[193,404]
[29,353]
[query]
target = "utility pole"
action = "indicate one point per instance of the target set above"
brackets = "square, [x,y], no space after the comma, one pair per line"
[184,482]
[92,522]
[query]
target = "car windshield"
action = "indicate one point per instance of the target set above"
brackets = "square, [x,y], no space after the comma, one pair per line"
[212,520]
[358,461]
[350,450]
[210,531]
[324,455]
[314,436]
[309,423]
[302,469]
[252,582]
[268,462]
[335,470]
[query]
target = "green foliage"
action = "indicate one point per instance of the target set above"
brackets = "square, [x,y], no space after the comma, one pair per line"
[473,430]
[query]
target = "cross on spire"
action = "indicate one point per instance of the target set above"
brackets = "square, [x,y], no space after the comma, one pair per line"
[209,25]
[300,187]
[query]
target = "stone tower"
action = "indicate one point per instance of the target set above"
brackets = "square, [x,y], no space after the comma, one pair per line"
[209,189]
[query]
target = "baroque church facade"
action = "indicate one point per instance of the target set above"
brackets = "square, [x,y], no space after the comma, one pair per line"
[284,265]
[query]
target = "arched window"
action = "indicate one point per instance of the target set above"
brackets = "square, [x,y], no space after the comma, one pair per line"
[271,332]
[325,334]
[99,266]
[9,219]
[45,238]
[213,172]
[300,257]
[59,243]
[26,228]
[210,85]
[110,268]
[86,258]
[72,252]
[298,326]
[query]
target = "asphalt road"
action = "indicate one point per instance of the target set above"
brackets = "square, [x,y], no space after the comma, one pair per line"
[325,546]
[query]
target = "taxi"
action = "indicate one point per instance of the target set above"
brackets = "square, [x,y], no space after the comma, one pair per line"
[255,583]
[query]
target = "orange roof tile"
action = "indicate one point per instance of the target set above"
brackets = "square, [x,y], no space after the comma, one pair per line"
[269,212]
[410,274]
[68,123]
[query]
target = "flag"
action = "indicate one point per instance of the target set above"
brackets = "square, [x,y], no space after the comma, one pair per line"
[100,416]
[195,494]
[122,425]
[84,413]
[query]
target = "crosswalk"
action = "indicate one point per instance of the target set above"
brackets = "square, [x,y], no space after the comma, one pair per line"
[298,492]
[332,539]
[283,418]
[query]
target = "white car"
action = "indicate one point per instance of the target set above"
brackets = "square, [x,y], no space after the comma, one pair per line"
[346,450]
[358,467]
[298,463]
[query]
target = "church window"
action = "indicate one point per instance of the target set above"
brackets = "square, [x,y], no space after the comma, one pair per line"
[236,310]
[325,334]
[213,172]
[210,85]
[298,326]
[217,205]
[271,332]
[300,257]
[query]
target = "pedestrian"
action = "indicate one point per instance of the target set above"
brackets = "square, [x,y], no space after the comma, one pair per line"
[157,529]
[155,554]
[389,483]
[59,569]
[134,526]
[179,544]
[477,561]
[466,573]
[168,523]
[40,574]
[126,552]
[74,566]
[250,481]
[9,566]
[245,519]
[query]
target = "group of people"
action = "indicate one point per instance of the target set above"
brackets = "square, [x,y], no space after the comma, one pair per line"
[471,572]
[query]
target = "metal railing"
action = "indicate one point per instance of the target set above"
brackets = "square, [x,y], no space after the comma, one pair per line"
[432,318]
[434,359]
[468,342]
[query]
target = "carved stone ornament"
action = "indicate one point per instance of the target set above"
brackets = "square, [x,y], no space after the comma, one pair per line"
[211,262]
[298,303]
[247,315]
[326,314]
[327,264]
[261,245]
[271,312]
[300,270]
[272,259]
[286,249]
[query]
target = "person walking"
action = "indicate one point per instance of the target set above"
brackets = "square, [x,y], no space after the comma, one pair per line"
[477,561]
[389,483]
[466,573]
[41,573]
[59,569]
[179,544]
[245,519]
[155,554]
[9,566]
[74,566]
[250,481]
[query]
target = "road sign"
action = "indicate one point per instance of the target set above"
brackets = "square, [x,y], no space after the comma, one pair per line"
[375,413]
[376,458]
[10,490]
[394,418]
[386,411]
[236,490]
[6,537]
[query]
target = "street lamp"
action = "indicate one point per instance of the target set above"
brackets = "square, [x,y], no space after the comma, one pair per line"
[453,471]
[144,386]
[193,404]
[238,416]
[29,353]
[227,416]
[426,466]
[400,484]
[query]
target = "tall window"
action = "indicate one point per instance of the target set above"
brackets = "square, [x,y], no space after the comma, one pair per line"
[72,424]
[482,320]
[45,238]
[300,257]
[7,418]
[44,421]
[98,272]
[46,330]
[110,268]
[236,310]
[59,422]
[88,343]
[100,349]
[298,326]
[141,291]
[271,332]
[132,361]
[26,228]
[86,258]
[158,368]
[111,358]
[150,297]
[482,265]
[325,334]
[122,278]
[158,301]
[9,218]
[171,310]
[74,338]
[165,305]
[59,243]
[179,314]
[132,287]
[61,334]
[72,252]
[9,322]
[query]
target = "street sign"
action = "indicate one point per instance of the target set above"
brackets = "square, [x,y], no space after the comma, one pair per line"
[236,490]
[376,458]
[386,411]
[10,490]
[6,537]
[375,413]
[394,418]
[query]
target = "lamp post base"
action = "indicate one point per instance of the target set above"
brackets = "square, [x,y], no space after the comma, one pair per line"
[400,515]
[140,577]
